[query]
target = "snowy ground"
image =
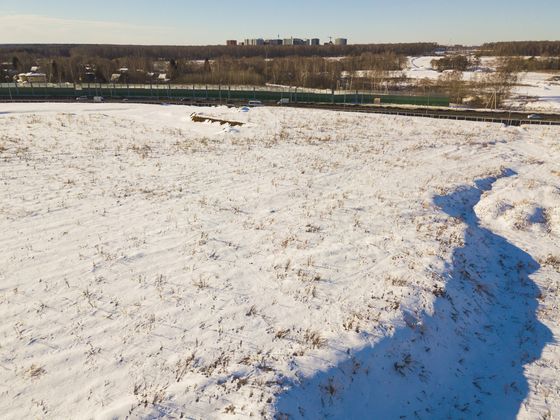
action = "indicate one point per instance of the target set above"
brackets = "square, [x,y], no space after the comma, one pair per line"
[538,92]
[421,68]
[308,263]
[535,91]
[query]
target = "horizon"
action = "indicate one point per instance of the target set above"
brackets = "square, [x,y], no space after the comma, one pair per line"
[17,44]
[175,23]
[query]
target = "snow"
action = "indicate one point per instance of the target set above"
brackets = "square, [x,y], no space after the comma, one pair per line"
[538,92]
[421,68]
[308,263]
[535,91]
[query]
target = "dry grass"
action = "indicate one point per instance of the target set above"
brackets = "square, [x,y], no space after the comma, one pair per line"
[201,119]
[551,261]
[314,339]
[35,371]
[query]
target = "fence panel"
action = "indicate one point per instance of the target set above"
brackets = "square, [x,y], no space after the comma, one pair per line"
[215,93]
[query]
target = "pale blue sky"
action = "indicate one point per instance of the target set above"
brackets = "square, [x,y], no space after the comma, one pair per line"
[212,21]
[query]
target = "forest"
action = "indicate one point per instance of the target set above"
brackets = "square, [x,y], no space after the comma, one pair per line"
[112,52]
[522,48]
[308,66]
[367,67]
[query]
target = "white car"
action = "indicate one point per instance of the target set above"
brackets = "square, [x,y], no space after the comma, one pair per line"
[255,103]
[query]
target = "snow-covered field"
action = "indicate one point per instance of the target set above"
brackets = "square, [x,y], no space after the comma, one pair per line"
[538,92]
[421,68]
[535,91]
[304,265]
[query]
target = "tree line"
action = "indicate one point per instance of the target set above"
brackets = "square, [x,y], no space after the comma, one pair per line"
[487,90]
[112,52]
[308,66]
[312,72]
[521,64]
[522,48]
[457,62]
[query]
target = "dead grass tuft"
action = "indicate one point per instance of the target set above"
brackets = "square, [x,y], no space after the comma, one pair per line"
[314,339]
[551,261]
[35,371]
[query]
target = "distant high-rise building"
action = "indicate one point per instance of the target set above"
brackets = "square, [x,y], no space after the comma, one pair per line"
[254,41]
[278,41]
[340,41]
[231,42]
[294,41]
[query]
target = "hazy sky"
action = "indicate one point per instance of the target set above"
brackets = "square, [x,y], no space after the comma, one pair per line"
[213,21]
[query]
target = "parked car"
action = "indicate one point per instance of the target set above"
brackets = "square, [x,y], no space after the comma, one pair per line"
[534,117]
[255,103]
[82,98]
[98,99]
[283,101]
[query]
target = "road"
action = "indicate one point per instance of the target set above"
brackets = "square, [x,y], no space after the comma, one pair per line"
[500,117]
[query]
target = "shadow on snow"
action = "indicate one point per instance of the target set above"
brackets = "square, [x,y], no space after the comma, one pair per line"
[465,360]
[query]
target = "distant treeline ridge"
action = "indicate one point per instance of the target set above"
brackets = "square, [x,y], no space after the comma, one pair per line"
[522,48]
[211,52]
